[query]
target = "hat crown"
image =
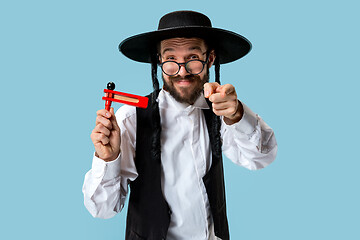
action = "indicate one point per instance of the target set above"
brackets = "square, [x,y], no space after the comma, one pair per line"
[183,19]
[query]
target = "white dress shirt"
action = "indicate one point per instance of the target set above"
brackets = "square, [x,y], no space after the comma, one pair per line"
[185,159]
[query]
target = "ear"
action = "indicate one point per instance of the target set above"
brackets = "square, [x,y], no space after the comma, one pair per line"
[212,57]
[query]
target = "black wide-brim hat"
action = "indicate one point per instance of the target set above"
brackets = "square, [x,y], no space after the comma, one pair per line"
[229,46]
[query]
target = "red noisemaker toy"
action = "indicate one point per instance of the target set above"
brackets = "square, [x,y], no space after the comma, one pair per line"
[129,99]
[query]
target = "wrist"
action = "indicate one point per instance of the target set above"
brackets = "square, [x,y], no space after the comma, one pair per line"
[237,116]
[107,158]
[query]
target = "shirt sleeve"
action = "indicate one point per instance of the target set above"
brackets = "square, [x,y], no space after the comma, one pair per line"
[250,142]
[106,184]
[101,188]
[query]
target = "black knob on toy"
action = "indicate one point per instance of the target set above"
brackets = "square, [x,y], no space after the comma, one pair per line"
[111,86]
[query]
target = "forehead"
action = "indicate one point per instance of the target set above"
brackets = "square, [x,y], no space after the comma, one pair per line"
[182,44]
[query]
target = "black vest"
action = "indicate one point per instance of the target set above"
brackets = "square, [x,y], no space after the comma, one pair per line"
[148,212]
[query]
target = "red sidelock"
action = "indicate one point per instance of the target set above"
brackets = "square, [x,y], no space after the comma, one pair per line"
[134,100]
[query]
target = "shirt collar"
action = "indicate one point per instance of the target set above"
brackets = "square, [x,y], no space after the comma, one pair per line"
[167,101]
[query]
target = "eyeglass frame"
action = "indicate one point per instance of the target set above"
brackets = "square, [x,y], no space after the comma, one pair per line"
[185,63]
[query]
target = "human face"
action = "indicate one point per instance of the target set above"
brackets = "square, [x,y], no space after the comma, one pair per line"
[183,86]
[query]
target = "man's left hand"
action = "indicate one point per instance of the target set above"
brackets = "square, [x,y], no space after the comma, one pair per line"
[224,101]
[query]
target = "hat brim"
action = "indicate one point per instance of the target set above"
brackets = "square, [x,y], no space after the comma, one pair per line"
[230,46]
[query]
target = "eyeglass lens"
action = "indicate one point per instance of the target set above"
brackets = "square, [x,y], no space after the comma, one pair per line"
[192,67]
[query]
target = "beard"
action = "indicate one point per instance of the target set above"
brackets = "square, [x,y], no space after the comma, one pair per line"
[186,94]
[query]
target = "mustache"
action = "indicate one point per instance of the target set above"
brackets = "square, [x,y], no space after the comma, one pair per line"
[187,77]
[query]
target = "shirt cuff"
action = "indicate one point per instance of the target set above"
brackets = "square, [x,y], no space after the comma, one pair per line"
[105,170]
[248,122]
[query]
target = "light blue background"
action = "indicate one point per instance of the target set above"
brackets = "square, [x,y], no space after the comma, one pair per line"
[302,77]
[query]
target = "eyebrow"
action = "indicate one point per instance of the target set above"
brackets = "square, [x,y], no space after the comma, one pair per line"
[195,48]
[168,50]
[190,49]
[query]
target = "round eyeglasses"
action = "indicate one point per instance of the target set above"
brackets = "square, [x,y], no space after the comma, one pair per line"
[171,68]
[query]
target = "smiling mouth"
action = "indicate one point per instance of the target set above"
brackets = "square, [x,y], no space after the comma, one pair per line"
[183,81]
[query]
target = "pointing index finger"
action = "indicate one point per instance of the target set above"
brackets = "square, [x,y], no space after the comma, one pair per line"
[226,89]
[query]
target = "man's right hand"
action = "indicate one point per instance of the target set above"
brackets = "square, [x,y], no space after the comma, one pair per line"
[106,135]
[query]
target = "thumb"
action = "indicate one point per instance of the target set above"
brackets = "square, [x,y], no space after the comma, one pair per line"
[113,119]
[210,88]
[221,90]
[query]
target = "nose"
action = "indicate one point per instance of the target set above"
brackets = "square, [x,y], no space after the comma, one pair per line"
[183,72]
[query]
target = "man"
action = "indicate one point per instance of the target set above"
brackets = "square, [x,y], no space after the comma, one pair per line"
[170,153]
